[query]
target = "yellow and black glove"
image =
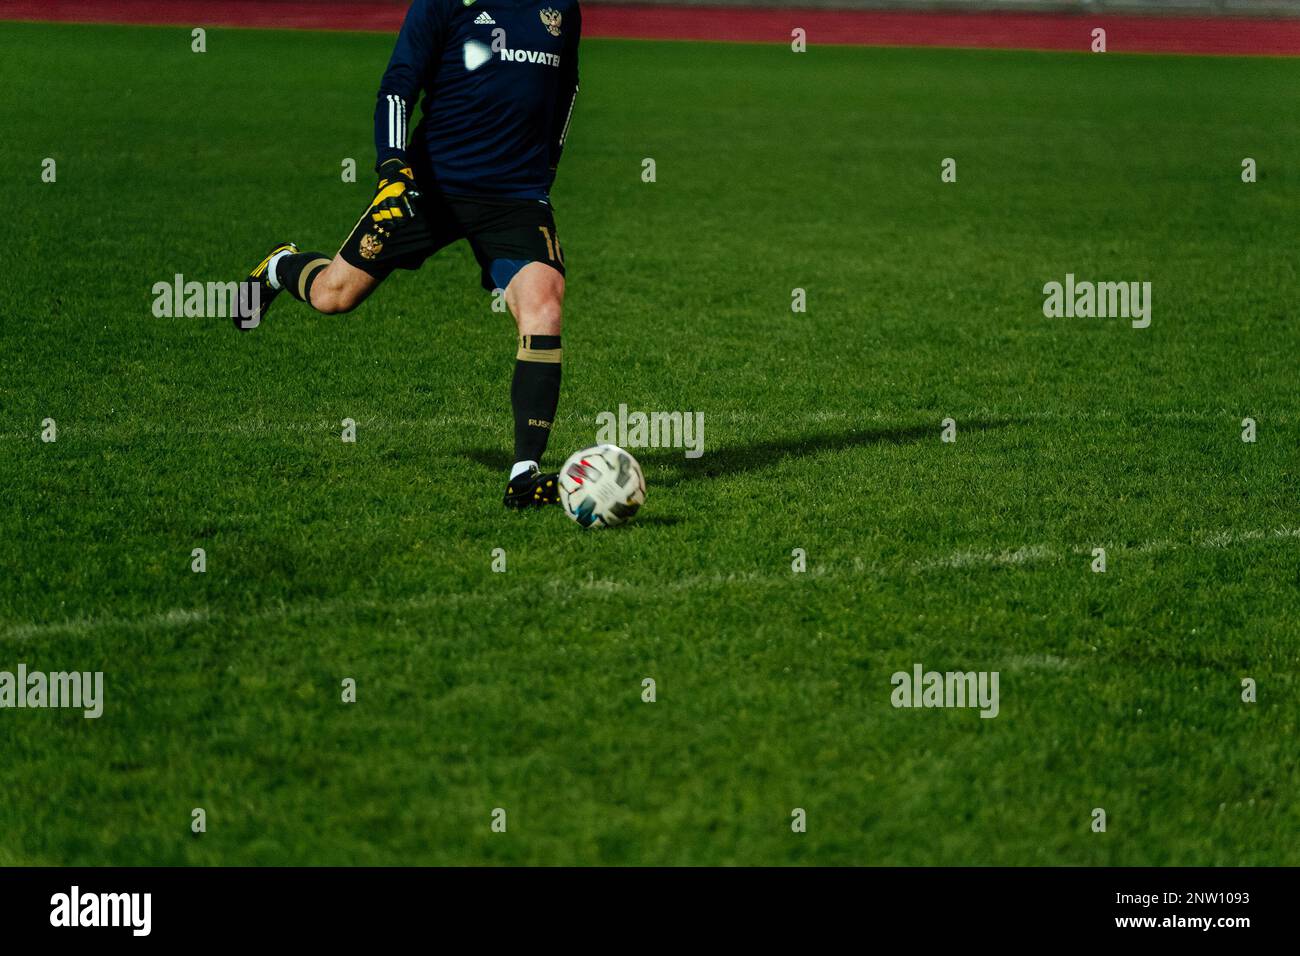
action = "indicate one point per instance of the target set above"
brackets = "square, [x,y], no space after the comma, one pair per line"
[395,193]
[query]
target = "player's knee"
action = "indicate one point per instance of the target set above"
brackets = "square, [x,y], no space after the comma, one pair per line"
[333,303]
[542,316]
[331,297]
[537,300]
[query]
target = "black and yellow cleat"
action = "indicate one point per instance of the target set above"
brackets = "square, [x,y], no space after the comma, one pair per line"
[255,292]
[532,489]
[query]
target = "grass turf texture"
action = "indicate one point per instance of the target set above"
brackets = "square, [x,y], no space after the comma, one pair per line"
[522,690]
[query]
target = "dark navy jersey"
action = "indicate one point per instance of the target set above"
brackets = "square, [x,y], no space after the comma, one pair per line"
[499,79]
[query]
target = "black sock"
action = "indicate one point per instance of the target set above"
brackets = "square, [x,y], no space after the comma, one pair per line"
[535,393]
[297,271]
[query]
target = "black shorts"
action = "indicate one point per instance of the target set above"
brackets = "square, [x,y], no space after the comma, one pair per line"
[514,230]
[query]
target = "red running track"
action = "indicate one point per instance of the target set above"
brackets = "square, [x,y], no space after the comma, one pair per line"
[1133,34]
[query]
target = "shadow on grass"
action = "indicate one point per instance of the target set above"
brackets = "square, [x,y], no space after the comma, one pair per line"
[655,520]
[669,466]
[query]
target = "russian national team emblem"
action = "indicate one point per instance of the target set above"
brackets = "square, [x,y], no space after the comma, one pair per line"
[371,246]
[551,18]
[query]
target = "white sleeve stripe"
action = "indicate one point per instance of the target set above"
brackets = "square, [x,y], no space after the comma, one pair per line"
[397,120]
[564,133]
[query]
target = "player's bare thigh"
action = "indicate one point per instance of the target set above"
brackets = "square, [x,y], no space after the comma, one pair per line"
[536,299]
[341,287]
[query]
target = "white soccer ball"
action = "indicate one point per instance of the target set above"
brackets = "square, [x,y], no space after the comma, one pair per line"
[601,486]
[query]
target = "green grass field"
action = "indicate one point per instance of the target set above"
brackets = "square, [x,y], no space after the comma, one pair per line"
[522,690]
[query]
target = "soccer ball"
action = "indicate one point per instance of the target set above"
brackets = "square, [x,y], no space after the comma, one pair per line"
[601,486]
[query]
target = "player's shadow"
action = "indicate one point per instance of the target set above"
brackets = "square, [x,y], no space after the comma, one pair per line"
[670,466]
[666,467]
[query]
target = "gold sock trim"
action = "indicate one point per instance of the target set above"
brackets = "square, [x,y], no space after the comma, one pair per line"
[545,356]
[527,353]
[306,274]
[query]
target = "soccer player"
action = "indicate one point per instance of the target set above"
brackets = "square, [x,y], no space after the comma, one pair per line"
[499,79]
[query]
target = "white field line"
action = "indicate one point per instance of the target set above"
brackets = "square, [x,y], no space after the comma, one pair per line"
[327,427]
[1041,552]
[906,417]
[1027,554]
[967,559]
[101,429]
[184,617]
[1037,662]
[1226,539]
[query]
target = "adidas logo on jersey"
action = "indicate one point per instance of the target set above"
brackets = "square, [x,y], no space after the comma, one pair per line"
[486,19]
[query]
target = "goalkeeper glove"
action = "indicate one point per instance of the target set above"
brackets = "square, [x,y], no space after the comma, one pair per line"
[394,193]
